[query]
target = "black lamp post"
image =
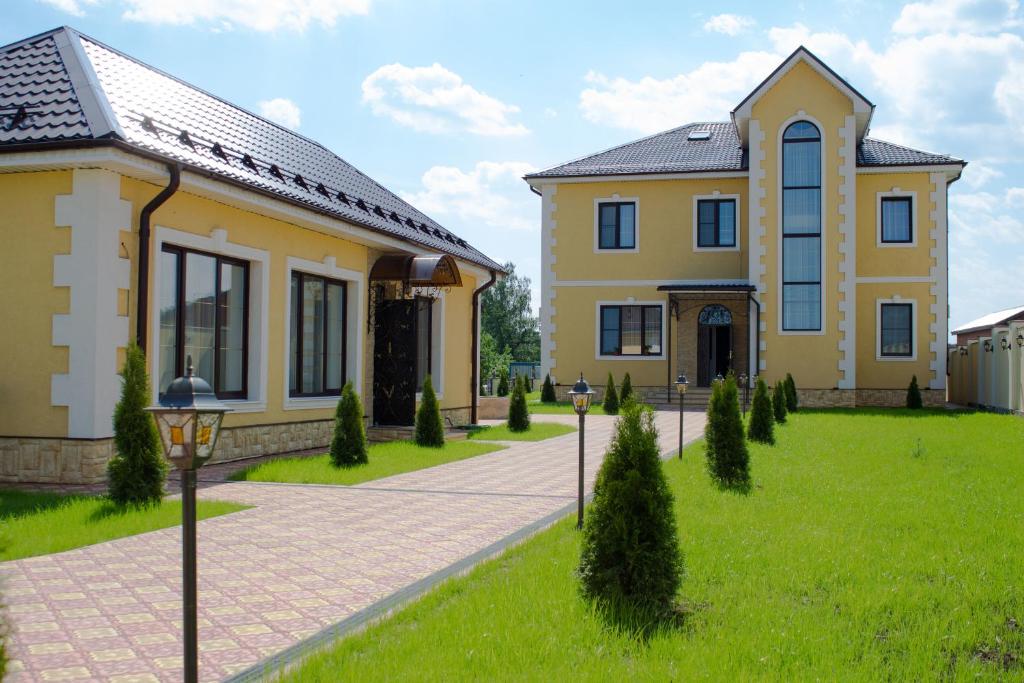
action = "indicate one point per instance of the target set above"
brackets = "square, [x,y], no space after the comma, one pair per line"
[746,391]
[580,395]
[188,418]
[681,384]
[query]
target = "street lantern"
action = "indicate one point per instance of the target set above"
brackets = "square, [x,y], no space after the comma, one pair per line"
[188,419]
[719,378]
[681,385]
[581,395]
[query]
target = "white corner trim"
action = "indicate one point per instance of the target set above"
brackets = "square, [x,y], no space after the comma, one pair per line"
[597,329]
[92,329]
[438,322]
[547,280]
[756,249]
[355,314]
[848,254]
[913,330]
[636,224]
[939,236]
[896,193]
[803,116]
[259,308]
[737,217]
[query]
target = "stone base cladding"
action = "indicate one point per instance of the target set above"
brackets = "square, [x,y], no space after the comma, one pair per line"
[54,461]
[897,398]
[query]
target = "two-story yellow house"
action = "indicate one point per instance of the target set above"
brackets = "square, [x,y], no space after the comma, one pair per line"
[784,240]
[138,207]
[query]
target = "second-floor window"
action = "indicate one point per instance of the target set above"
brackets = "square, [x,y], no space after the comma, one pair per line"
[630,330]
[801,227]
[716,223]
[897,227]
[616,225]
[317,336]
[204,314]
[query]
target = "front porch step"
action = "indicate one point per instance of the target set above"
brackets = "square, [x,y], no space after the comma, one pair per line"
[381,433]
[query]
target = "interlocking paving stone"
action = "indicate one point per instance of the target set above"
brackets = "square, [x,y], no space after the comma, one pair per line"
[303,558]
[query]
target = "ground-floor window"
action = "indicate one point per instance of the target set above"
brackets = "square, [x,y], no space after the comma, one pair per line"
[204,314]
[630,330]
[896,330]
[317,336]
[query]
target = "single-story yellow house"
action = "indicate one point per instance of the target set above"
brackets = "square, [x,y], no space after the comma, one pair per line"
[139,207]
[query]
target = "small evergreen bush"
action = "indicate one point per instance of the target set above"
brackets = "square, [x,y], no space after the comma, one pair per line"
[792,403]
[611,398]
[429,427]
[762,421]
[547,391]
[136,473]
[914,394]
[779,402]
[518,415]
[348,447]
[626,390]
[503,382]
[725,444]
[630,558]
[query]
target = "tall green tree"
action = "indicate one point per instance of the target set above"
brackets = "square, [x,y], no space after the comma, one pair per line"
[492,359]
[508,317]
[136,473]
[348,447]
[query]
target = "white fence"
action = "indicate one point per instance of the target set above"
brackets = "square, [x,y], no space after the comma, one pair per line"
[989,372]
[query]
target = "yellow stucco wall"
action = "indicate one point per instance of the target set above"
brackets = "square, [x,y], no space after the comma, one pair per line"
[876,261]
[811,358]
[665,230]
[30,241]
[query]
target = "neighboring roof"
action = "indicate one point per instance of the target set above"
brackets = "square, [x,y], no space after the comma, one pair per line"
[62,86]
[990,320]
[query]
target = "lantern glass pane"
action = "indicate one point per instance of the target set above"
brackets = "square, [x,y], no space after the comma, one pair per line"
[207,431]
[176,428]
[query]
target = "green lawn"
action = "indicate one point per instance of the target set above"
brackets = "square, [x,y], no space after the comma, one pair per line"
[534,405]
[874,546]
[386,459]
[43,523]
[538,431]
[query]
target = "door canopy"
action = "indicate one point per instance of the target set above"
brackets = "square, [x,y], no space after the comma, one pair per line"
[417,271]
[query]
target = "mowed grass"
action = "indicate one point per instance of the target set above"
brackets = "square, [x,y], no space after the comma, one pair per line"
[534,405]
[386,459]
[44,523]
[538,431]
[874,546]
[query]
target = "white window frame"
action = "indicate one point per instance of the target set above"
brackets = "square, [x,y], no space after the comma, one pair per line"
[259,302]
[896,193]
[715,196]
[355,291]
[802,116]
[437,323]
[913,330]
[629,302]
[597,224]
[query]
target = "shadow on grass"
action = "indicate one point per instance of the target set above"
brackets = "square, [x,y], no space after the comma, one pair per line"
[740,486]
[642,624]
[19,503]
[108,509]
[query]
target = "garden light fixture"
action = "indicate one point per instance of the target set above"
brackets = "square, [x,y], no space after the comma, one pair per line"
[188,419]
[1020,339]
[746,391]
[962,350]
[581,394]
[681,384]
[987,345]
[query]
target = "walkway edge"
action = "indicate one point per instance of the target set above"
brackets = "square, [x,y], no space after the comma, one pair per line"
[274,665]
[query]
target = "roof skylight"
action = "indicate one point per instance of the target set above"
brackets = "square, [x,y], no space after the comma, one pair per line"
[699,135]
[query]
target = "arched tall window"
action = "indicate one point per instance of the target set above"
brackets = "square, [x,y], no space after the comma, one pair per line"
[801,227]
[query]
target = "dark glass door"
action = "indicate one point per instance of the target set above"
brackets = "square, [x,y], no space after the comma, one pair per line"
[714,352]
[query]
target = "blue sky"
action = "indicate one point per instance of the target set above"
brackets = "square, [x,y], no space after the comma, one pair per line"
[449,103]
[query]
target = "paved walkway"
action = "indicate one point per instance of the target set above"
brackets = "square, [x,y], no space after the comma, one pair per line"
[302,559]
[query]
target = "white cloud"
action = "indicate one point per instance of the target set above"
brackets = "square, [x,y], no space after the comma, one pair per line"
[259,15]
[283,111]
[956,16]
[650,104]
[436,100]
[490,195]
[1015,197]
[75,7]
[983,219]
[729,24]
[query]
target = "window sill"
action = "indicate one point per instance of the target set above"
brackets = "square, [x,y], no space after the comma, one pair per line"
[616,250]
[244,405]
[660,357]
[896,359]
[699,249]
[311,402]
[896,245]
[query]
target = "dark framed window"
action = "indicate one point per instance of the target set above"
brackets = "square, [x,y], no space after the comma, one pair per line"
[897,331]
[716,223]
[424,332]
[897,223]
[801,227]
[204,313]
[630,330]
[317,336]
[616,225]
